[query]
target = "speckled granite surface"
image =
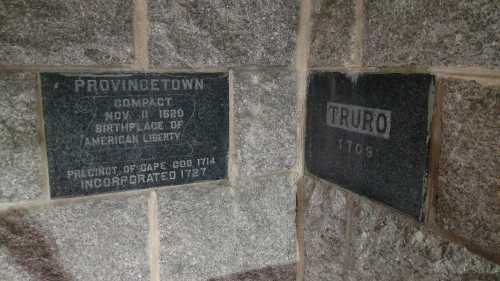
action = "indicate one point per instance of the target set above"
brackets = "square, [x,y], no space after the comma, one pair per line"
[19,150]
[428,32]
[54,32]
[220,33]
[352,238]
[467,203]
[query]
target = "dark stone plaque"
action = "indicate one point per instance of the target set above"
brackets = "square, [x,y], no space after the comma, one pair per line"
[115,132]
[369,133]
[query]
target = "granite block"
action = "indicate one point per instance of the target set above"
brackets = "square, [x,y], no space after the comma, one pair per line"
[466,203]
[197,235]
[325,237]
[386,246]
[92,32]
[101,240]
[19,149]
[332,34]
[216,231]
[187,33]
[265,121]
[435,33]
[265,221]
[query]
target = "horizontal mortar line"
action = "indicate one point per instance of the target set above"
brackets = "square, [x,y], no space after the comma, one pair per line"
[235,68]
[54,202]
[465,71]
[134,68]
[290,67]
[204,183]
[372,69]
[290,171]
[472,71]
[68,68]
[224,182]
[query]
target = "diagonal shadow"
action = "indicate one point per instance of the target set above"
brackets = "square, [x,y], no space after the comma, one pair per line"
[30,248]
[275,273]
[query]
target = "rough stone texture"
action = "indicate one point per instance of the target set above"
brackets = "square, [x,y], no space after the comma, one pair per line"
[332,32]
[326,244]
[270,273]
[188,33]
[372,242]
[265,121]
[389,247]
[196,237]
[466,202]
[265,221]
[19,150]
[216,230]
[102,240]
[66,32]
[429,32]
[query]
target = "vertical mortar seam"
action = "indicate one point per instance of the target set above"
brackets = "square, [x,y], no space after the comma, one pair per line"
[43,166]
[434,152]
[358,33]
[141,34]
[301,68]
[154,237]
[348,254]
[299,221]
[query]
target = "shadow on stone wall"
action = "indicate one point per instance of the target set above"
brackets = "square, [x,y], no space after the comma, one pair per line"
[276,273]
[30,248]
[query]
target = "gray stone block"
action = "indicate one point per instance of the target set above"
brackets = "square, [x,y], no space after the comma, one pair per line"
[66,32]
[220,33]
[466,203]
[265,121]
[371,242]
[325,240]
[197,237]
[101,240]
[332,37]
[214,231]
[428,32]
[265,221]
[19,149]
[387,246]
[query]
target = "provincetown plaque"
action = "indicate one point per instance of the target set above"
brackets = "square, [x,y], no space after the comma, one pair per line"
[369,133]
[111,132]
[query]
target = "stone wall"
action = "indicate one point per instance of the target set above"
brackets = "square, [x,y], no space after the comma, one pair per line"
[349,237]
[270,219]
[237,228]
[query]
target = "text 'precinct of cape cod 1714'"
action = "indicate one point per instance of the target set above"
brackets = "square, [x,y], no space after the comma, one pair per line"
[110,132]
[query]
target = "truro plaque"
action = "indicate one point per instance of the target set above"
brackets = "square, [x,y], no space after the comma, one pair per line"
[115,132]
[369,133]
